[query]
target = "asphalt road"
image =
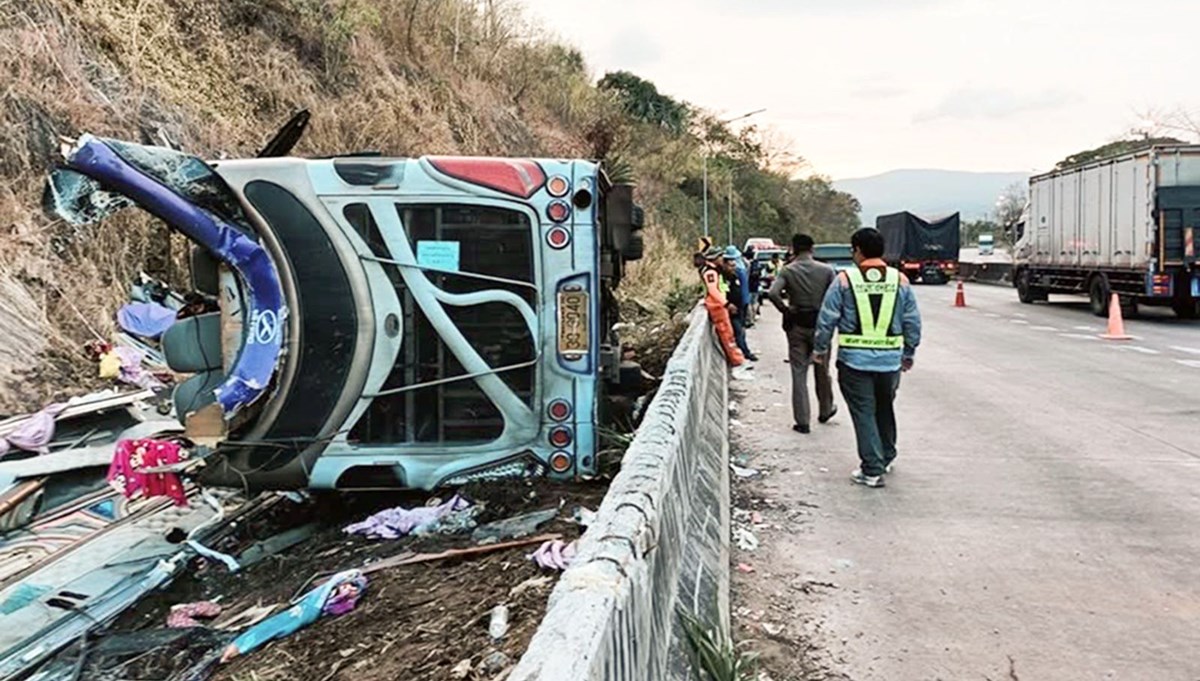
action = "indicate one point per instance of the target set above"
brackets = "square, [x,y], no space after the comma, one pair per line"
[1041,522]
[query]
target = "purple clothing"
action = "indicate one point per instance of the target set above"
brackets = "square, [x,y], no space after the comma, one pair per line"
[34,433]
[148,320]
[394,523]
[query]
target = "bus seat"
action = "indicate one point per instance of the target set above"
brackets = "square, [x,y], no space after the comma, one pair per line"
[206,278]
[193,344]
[196,392]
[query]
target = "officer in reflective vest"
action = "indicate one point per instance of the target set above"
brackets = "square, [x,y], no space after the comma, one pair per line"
[873,309]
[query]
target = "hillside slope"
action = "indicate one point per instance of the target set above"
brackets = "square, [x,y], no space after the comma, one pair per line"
[217,79]
[404,77]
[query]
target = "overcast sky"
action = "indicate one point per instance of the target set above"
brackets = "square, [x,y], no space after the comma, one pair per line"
[864,86]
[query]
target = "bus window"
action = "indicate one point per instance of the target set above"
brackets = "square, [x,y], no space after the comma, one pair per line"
[492,241]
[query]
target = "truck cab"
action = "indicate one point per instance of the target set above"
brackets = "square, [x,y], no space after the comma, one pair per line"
[384,322]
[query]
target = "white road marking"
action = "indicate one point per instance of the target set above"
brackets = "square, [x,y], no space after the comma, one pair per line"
[1193,363]
[1084,328]
[1190,351]
[1043,328]
[991,314]
[1138,348]
[1018,321]
[1079,336]
[1020,314]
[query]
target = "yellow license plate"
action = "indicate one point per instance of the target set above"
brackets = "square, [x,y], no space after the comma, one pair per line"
[573,323]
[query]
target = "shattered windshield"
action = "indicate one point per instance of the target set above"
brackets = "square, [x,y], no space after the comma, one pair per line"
[79,199]
[188,175]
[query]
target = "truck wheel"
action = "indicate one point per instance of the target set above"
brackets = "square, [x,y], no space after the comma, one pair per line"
[1024,289]
[1129,306]
[1028,293]
[1185,309]
[1098,295]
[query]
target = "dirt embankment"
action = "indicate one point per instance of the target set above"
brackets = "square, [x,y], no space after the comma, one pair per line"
[217,79]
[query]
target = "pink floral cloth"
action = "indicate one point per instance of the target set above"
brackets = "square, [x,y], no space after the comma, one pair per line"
[184,615]
[125,475]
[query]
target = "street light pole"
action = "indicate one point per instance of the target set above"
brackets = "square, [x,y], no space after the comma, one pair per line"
[705,189]
[730,207]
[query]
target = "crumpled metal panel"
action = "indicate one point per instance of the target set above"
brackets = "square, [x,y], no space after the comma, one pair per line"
[185,193]
[660,542]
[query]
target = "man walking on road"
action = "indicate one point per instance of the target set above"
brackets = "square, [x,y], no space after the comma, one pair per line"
[804,282]
[874,310]
[739,297]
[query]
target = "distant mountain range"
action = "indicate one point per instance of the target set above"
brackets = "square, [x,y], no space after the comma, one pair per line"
[929,193]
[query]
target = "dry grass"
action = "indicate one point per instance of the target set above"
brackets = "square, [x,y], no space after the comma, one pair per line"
[217,78]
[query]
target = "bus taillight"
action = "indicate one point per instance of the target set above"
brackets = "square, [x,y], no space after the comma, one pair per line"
[559,410]
[561,437]
[519,177]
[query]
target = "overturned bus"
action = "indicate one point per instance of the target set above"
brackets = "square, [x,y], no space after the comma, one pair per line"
[383,322]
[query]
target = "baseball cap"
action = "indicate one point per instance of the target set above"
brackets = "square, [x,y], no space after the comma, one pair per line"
[732,253]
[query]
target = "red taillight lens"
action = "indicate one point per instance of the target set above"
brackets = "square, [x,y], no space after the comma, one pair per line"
[560,437]
[558,237]
[559,410]
[560,462]
[513,176]
[558,186]
[558,211]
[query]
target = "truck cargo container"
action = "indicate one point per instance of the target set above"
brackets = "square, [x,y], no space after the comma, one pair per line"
[1121,225]
[924,250]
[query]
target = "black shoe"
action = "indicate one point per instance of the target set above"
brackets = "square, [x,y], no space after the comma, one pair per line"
[803,430]
[752,357]
[825,418]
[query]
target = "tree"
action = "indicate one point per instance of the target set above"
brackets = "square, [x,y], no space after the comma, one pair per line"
[642,100]
[1010,207]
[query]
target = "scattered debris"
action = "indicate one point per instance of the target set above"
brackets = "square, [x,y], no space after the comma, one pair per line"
[461,670]
[498,623]
[133,456]
[277,544]
[745,568]
[517,526]
[147,320]
[531,584]
[246,618]
[189,614]
[33,433]
[745,539]
[742,472]
[495,662]
[335,597]
[583,516]
[397,522]
[554,555]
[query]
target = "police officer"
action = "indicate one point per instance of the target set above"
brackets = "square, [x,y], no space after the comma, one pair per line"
[803,283]
[874,310]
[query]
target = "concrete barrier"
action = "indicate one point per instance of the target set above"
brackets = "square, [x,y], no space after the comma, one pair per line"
[998,273]
[660,541]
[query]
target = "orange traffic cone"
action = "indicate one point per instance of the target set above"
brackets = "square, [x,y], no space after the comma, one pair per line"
[1116,325]
[960,299]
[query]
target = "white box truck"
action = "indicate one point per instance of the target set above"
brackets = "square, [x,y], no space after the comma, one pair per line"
[1124,224]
